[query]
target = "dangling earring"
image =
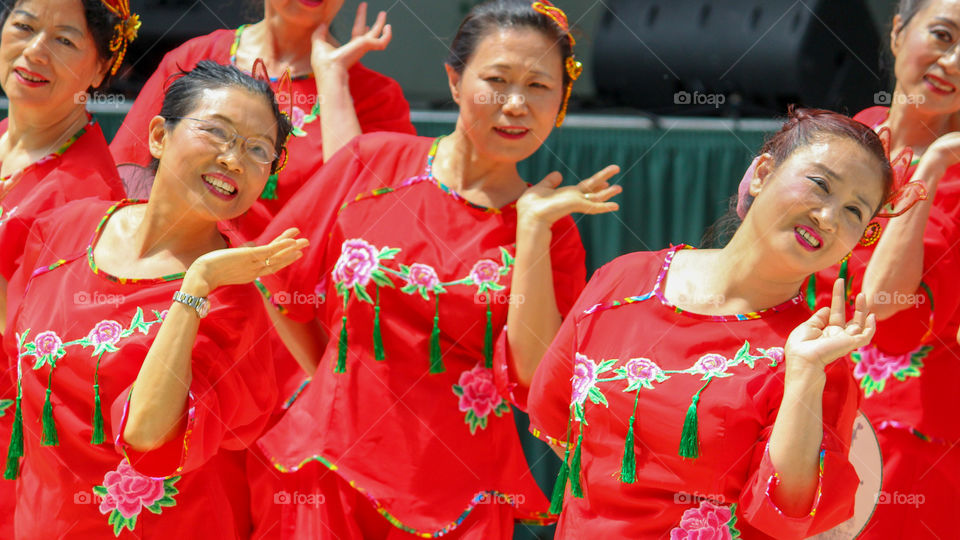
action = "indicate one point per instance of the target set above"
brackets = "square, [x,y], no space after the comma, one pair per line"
[871,234]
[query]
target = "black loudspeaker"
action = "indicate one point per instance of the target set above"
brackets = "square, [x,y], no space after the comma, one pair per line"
[740,57]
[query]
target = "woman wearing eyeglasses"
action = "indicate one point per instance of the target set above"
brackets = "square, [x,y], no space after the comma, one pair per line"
[139,338]
[907,268]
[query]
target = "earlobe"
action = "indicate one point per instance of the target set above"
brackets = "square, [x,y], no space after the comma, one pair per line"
[761,173]
[453,80]
[895,32]
[156,133]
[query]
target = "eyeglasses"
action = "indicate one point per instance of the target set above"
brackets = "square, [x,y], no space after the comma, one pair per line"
[222,136]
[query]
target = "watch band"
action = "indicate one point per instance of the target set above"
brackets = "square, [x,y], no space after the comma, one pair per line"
[200,304]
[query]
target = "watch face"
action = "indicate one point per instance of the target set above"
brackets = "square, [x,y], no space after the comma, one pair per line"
[203,308]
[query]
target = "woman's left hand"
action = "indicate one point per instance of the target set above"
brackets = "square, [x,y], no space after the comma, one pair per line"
[544,203]
[363,39]
[827,335]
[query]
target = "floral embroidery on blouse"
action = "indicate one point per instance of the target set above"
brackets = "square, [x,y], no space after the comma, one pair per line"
[709,521]
[479,397]
[125,493]
[584,382]
[873,367]
[299,118]
[640,372]
[5,215]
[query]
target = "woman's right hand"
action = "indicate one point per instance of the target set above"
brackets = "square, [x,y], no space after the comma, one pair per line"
[236,266]
[936,159]
[363,39]
[827,335]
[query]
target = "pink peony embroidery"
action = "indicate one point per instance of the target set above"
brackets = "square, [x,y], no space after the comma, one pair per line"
[584,377]
[129,491]
[47,343]
[485,271]
[422,275]
[297,117]
[105,333]
[641,369]
[708,522]
[358,260]
[479,397]
[774,353]
[873,367]
[711,364]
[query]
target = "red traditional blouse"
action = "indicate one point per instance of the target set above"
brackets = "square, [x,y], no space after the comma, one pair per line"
[665,415]
[908,373]
[80,336]
[411,400]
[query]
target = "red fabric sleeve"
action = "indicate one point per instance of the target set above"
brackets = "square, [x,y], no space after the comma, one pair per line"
[838,480]
[567,260]
[232,392]
[313,211]
[901,333]
[379,102]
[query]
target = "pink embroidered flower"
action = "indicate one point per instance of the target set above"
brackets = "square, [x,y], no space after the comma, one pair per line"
[357,261]
[485,271]
[163,314]
[774,353]
[423,275]
[584,377]
[878,365]
[47,343]
[641,369]
[105,333]
[128,491]
[479,392]
[708,522]
[711,364]
[297,116]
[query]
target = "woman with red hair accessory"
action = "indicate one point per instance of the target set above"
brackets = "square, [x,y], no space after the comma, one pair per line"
[690,392]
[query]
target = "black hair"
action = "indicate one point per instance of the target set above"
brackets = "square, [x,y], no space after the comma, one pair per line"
[184,94]
[496,14]
[100,23]
[907,9]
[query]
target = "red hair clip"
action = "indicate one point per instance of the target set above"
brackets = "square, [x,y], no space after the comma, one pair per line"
[573,66]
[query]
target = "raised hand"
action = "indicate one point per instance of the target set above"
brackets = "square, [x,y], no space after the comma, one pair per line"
[827,335]
[545,202]
[235,266]
[363,39]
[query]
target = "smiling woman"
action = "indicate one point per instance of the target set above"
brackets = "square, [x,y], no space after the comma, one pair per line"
[160,360]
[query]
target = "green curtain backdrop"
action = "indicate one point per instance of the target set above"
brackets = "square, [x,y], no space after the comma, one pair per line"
[676,183]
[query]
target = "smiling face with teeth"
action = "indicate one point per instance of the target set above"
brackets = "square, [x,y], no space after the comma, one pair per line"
[927,58]
[47,57]
[811,209]
[218,181]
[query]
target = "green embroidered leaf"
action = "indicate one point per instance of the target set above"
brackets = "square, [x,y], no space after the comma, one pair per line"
[732,523]
[502,408]
[166,501]
[632,387]
[471,420]
[297,132]
[381,279]
[458,390]
[362,294]
[871,387]
[578,413]
[100,490]
[4,405]
[138,323]
[409,288]
[388,253]
[438,289]
[168,486]
[742,354]
[119,522]
[596,396]
[606,365]
[482,422]
[495,286]
[29,349]
[404,270]
[507,259]
[341,290]
[423,293]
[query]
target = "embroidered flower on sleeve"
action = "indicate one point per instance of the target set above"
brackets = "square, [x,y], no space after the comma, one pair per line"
[479,397]
[358,260]
[125,493]
[48,348]
[584,382]
[707,522]
[873,367]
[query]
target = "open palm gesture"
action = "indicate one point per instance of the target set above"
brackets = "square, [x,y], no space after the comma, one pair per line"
[546,202]
[362,40]
[827,335]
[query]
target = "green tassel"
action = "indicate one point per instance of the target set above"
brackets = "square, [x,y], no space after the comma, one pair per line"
[436,360]
[15,451]
[488,337]
[845,276]
[342,345]
[49,435]
[689,439]
[378,353]
[270,189]
[628,466]
[812,292]
[97,437]
[575,487]
[560,487]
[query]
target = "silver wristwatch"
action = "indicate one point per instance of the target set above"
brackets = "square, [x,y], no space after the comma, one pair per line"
[200,304]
